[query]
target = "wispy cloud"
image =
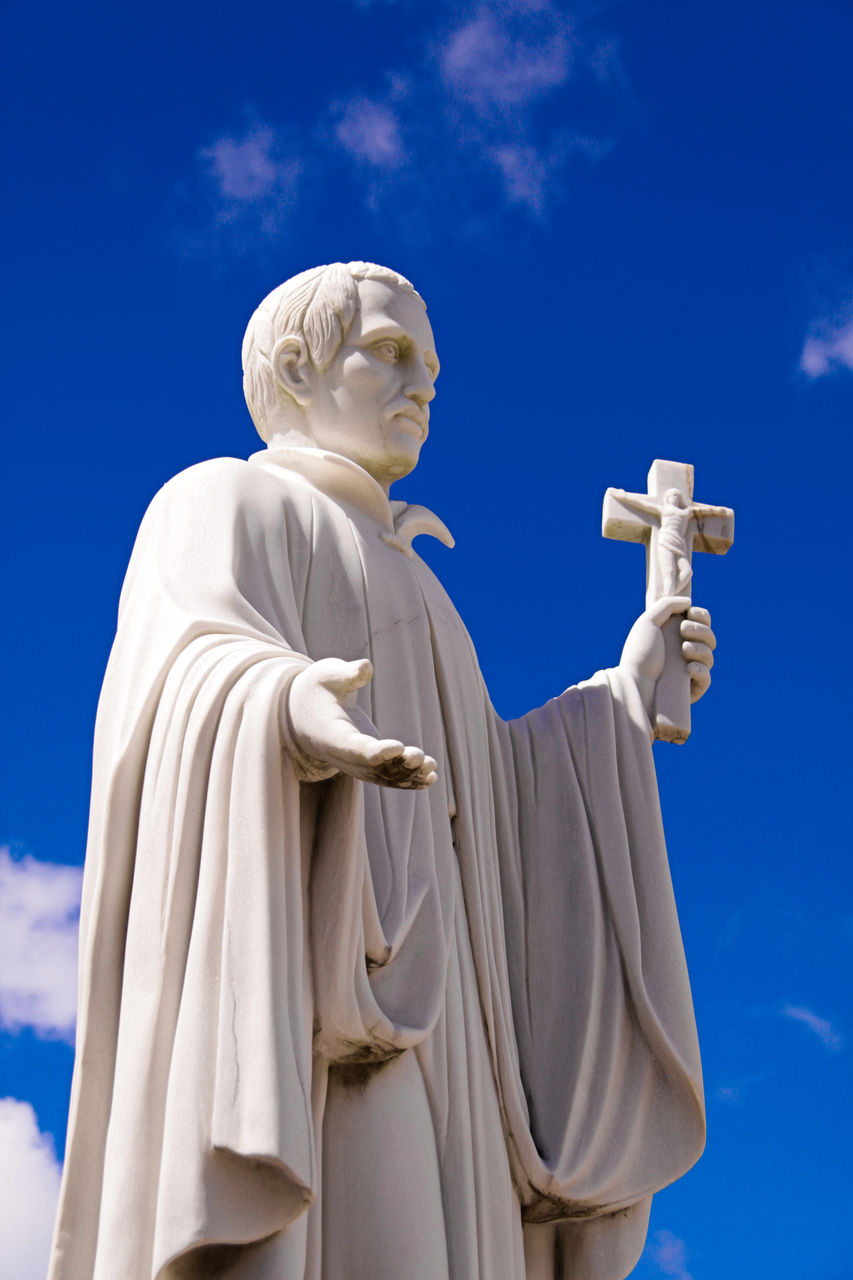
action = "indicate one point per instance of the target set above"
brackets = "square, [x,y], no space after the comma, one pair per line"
[828,349]
[525,175]
[29,1176]
[820,1027]
[501,60]
[39,906]
[669,1254]
[471,123]
[734,1090]
[484,119]
[370,132]
[249,183]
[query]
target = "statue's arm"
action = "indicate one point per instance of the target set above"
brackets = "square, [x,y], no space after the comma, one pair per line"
[643,653]
[208,531]
[702,509]
[328,734]
[637,502]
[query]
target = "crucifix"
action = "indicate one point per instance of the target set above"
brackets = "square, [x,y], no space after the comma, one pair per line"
[672,526]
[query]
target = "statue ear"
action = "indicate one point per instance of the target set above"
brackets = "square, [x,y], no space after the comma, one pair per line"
[292,368]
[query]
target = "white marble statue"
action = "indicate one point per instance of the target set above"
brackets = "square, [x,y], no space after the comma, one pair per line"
[349,1010]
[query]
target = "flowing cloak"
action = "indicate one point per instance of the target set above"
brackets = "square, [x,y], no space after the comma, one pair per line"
[316,1018]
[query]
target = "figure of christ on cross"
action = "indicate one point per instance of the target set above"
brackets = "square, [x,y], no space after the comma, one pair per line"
[673,515]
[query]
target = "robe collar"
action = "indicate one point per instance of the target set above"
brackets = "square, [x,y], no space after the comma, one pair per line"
[343,480]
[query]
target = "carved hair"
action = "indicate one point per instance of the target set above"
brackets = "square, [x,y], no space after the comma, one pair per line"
[317,307]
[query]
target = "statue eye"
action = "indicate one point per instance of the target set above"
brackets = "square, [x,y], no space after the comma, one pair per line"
[389,351]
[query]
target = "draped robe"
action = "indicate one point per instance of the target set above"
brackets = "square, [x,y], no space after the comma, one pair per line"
[329,1030]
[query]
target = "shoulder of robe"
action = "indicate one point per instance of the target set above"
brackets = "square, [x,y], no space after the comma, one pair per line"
[215,476]
[218,485]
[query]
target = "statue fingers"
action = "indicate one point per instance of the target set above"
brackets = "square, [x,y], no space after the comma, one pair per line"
[406,779]
[418,781]
[694,652]
[692,629]
[410,770]
[700,679]
[695,614]
[382,751]
[424,775]
[384,761]
[412,757]
[353,751]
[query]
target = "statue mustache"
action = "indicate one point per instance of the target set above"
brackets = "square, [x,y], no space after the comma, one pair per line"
[409,408]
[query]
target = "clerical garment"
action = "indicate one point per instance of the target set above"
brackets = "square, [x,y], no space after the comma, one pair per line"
[334,1031]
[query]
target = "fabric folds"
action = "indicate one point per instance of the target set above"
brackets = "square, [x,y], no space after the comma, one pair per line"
[502,950]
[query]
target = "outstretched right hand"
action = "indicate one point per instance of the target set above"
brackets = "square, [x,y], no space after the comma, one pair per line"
[323,719]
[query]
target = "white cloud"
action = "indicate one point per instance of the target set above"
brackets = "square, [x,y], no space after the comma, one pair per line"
[525,174]
[734,1091]
[39,906]
[604,61]
[244,169]
[821,1027]
[466,118]
[828,350]
[370,132]
[253,178]
[456,137]
[494,69]
[669,1254]
[496,63]
[29,1187]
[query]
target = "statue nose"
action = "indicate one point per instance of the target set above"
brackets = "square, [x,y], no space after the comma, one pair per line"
[421,398]
[420,387]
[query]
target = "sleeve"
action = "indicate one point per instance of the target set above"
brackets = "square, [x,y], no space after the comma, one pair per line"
[608,1062]
[191,1099]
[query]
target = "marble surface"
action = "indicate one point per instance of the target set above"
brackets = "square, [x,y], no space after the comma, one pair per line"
[371,979]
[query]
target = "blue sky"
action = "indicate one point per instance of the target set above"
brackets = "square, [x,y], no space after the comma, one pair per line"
[632,225]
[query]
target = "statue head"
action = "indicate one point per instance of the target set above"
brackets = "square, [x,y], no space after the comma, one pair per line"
[675,498]
[342,357]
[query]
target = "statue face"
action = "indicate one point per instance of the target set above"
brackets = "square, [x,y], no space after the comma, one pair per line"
[372,403]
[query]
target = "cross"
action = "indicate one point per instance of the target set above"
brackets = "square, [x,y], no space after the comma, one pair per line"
[672,526]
